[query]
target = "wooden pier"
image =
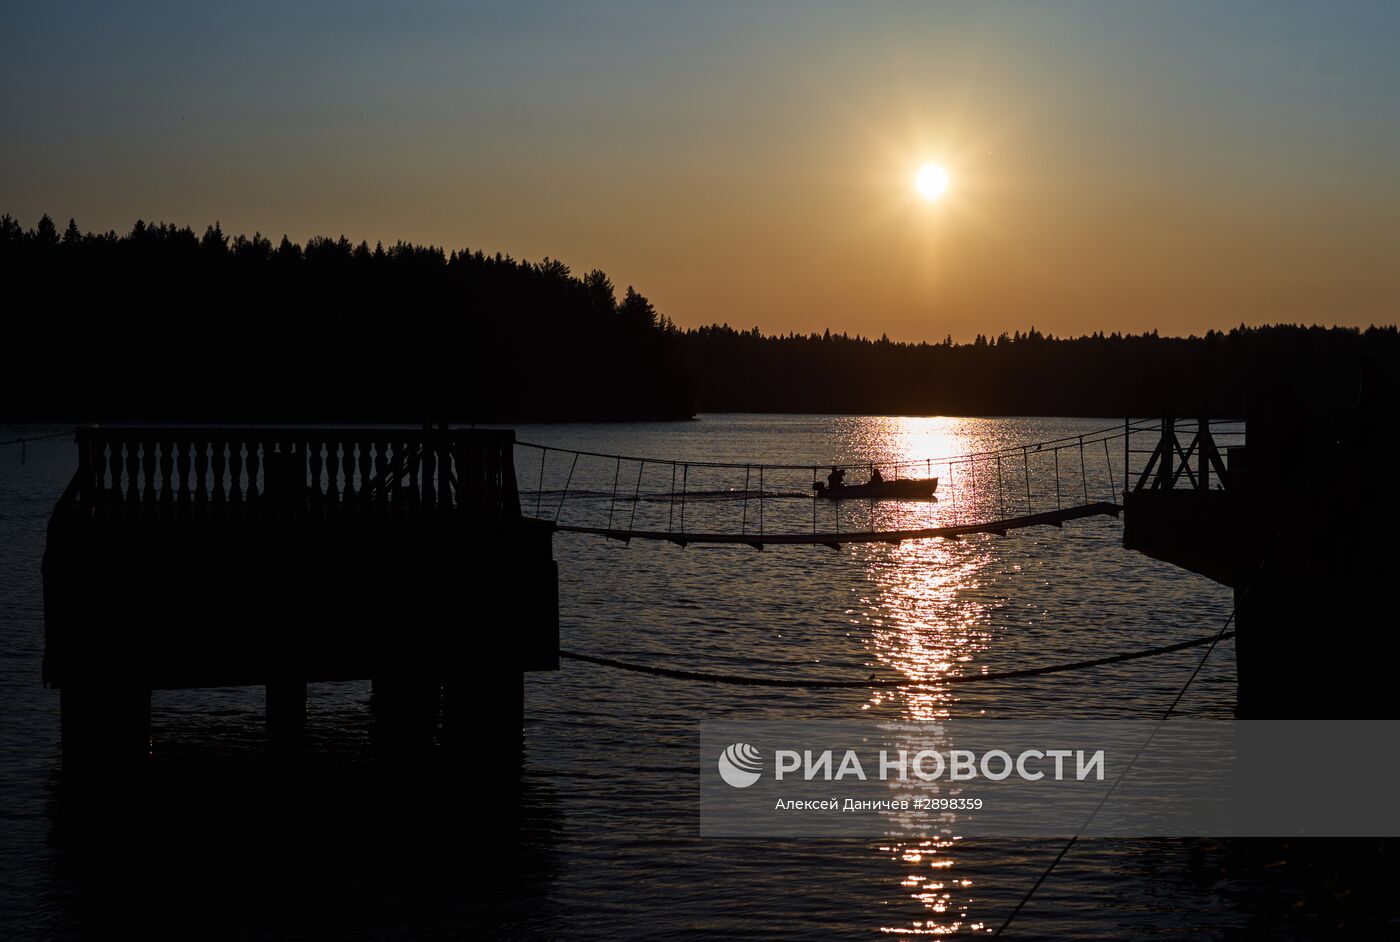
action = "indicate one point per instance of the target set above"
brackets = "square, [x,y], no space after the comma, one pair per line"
[203,557]
[1301,522]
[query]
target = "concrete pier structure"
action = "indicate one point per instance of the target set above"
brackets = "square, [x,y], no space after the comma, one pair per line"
[1301,523]
[205,557]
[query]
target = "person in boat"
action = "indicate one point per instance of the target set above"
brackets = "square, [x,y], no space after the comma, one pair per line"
[876,477]
[836,479]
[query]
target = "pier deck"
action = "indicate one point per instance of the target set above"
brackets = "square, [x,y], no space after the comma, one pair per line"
[278,557]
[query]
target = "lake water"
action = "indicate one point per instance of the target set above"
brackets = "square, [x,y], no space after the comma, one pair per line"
[611,846]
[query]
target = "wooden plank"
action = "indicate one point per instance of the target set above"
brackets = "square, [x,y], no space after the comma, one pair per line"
[834,540]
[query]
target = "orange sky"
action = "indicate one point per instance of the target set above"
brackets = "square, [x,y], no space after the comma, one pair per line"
[1114,167]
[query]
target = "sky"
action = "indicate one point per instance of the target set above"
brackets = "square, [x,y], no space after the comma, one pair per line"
[1112,166]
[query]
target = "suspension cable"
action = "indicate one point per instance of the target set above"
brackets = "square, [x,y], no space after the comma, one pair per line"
[739,680]
[1224,633]
[1106,435]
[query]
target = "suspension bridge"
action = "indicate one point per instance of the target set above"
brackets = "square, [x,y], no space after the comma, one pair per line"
[995,491]
[331,527]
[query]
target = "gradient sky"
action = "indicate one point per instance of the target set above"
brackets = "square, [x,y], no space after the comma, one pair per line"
[1114,166]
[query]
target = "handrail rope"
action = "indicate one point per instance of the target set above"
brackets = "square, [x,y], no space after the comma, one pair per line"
[965,458]
[968,460]
[67,433]
[1224,633]
[23,443]
[743,681]
[1069,441]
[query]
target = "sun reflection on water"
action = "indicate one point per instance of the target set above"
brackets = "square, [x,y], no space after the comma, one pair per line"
[927,622]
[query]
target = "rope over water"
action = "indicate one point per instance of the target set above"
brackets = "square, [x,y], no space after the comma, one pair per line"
[38,438]
[739,680]
[687,501]
[23,443]
[1222,634]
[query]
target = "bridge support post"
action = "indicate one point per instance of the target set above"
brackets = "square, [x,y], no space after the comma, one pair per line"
[484,736]
[286,714]
[483,721]
[405,708]
[105,726]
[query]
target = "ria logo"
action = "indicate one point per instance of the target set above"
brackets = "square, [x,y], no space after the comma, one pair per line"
[740,765]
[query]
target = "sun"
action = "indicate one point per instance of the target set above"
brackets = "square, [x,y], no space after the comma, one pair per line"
[931,181]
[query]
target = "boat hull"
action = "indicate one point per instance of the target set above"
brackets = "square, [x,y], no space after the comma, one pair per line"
[906,489]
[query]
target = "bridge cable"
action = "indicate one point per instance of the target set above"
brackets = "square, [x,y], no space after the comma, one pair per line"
[739,680]
[1212,641]
[1127,768]
[23,442]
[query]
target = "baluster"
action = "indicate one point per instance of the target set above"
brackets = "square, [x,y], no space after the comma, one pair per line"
[468,466]
[201,465]
[347,471]
[101,489]
[273,473]
[254,447]
[381,471]
[167,473]
[182,463]
[444,473]
[295,465]
[235,472]
[114,465]
[147,472]
[403,497]
[413,463]
[429,472]
[283,467]
[473,475]
[366,466]
[217,468]
[401,458]
[352,462]
[98,466]
[286,466]
[393,459]
[332,470]
[314,463]
[348,464]
[369,480]
[466,456]
[133,468]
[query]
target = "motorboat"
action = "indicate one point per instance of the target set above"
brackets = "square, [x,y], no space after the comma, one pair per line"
[902,489]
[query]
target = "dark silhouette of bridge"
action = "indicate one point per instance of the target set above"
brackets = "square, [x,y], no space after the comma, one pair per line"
[339,554]
[686,502]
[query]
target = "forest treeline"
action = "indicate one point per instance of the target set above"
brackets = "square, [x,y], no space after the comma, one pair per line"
[164,323]
[1030,373]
